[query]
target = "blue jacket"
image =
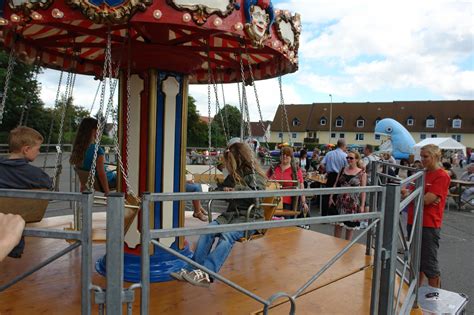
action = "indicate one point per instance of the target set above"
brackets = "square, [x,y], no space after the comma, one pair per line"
[19,174]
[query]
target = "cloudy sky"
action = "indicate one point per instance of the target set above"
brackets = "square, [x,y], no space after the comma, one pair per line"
[357,51]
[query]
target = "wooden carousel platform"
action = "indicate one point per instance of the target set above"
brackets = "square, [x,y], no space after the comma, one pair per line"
[281,261]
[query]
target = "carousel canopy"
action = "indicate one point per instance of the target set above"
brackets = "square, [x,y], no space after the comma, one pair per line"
[184,36]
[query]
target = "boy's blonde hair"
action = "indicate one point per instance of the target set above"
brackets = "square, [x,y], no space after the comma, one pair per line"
[23,136]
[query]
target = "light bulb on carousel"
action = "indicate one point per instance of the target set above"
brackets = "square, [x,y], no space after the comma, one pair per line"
[14,18]
[157,14]
[57,14]
[36,16]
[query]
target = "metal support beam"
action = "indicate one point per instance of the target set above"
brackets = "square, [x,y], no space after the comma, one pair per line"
[114,253]
[389,249]
[86,254]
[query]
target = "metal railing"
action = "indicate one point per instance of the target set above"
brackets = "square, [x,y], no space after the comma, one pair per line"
[401,252]
[82,238]
[383,231]
[149,236]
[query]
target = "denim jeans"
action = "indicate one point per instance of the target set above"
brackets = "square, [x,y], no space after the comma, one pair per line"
[214,259]
[193,187]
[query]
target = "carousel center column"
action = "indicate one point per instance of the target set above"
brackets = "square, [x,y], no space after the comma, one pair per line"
[156,163]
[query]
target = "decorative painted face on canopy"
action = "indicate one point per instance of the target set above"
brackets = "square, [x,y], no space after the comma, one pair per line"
[259,16]
[260,21]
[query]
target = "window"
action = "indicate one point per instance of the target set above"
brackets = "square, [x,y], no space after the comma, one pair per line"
[410,122]
[280,135]
[434,136]
[456,137]
[293,135]
[360,123]
[323,121]
[377,137]
[339,121]
[422,136]
[457,123]
[359,136]
[296,122]
[333,135]
[430,121]
[341,136]
[310,134]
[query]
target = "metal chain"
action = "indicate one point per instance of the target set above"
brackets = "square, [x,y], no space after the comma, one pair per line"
[244,96]
[57,166]
[209,127]
[26,105]
[218,108]
[106,75]
[11,64]
[246,109]
[282,103]
[241,112]
[95,97]
[223,107]
[56,102]
[262,125]
[24,119]
[124,172]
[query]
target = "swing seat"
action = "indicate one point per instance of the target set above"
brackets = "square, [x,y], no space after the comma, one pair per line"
[31,210]
[279,211]
[268,205]
[84,177]
[131,206]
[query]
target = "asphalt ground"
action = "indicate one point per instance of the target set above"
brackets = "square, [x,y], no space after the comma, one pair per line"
[456,253]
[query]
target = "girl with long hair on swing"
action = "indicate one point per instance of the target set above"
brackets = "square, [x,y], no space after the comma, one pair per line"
[82,155]
[244,174]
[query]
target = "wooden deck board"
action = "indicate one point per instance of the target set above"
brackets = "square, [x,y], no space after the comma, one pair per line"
[281,261]
[350,295]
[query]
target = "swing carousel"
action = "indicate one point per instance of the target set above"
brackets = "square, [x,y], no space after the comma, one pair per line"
[150,51]
[155,49]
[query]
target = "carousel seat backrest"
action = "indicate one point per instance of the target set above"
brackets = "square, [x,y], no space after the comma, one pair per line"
[83,176]
[31,210]
[268,204]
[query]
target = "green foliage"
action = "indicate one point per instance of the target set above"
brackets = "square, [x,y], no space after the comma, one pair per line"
[23,93]
[105,140]
[24,96]
[232,121]
[197,129]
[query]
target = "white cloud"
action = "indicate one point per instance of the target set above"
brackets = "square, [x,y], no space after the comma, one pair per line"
[375,45]
[85,88]
[355,49]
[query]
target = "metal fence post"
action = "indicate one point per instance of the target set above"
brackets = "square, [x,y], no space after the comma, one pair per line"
[114,253]
[389,250]
[86,255]
[379,203]
[371,201]
[145,255]
[416,241]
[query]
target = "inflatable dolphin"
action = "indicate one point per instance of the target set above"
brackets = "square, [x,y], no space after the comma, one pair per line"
[402,142]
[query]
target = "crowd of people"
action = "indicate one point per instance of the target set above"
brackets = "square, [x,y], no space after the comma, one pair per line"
[340,167]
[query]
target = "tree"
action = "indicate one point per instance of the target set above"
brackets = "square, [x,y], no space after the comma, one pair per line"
[232,121]
[197,129]
[24,96]
[23,92]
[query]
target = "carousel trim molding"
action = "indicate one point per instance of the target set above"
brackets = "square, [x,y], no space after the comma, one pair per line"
[107,14]
[201,12]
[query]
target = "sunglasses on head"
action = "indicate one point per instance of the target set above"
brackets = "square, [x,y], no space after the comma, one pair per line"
[350,158]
